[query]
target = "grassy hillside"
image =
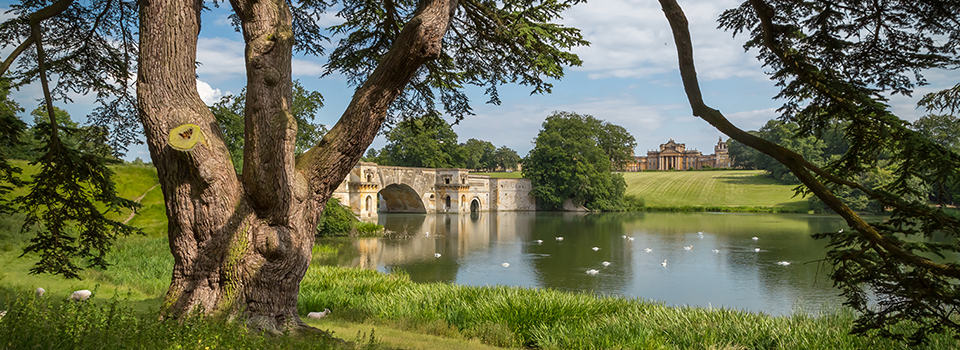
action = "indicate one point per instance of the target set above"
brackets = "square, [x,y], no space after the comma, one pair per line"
[746,190]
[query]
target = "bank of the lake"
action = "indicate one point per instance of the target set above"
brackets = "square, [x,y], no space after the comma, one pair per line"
[400,313]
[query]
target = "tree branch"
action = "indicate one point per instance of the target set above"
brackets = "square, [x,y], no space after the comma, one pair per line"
[16,53]
[325,165]
[796,163]
[36,17]
[37,35]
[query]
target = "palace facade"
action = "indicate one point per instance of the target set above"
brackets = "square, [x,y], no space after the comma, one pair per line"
[676,156]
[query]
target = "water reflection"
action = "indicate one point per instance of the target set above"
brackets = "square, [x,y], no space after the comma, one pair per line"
[473,247]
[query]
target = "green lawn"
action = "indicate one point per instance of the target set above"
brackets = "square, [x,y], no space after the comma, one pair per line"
[735,189]
[398,312]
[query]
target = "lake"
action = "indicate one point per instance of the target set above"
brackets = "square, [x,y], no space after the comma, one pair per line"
[474,248]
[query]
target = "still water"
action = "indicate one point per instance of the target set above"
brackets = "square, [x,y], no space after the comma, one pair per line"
[474,248]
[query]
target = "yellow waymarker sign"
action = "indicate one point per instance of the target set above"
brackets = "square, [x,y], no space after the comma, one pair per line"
[185,137]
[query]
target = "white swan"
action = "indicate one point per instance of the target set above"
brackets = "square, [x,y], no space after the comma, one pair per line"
[605,263]
[647,250]
[539,241]
[755,238]
[664,263]
[592,272]
[595,248]
[505,265]
[756,250]
[559,238]
[688,247]
[783,263]
[716,251]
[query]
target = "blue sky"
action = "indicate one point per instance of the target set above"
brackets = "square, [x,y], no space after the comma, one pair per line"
[629,77]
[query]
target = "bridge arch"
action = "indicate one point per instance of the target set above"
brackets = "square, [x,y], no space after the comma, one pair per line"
[401,198]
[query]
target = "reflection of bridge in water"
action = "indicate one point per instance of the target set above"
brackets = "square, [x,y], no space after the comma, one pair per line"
[456,236]
[372,188]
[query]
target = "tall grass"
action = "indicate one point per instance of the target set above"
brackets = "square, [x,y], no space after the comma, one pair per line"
[550,319]
[32,323]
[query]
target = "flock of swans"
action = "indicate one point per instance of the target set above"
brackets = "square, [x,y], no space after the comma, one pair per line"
[594,272]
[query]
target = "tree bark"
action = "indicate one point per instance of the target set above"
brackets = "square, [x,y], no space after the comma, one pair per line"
[241,247]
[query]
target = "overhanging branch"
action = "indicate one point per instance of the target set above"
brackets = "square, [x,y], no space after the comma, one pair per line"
[796,163]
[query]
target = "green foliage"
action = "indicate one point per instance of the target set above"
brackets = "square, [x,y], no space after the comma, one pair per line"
[229,114]
[506,158]
[569,161]
[835,70]
[368,229]
[91,48]
[48,323]
[550,319]
[336,219]
[427,141]
[11,128]
[489,43]
[477,154]
[62,208]
[787,134]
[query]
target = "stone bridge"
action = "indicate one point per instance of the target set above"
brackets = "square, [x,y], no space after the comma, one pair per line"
[372,188]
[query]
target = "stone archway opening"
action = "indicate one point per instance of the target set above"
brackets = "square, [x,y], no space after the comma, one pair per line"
[475,205]
[400,198]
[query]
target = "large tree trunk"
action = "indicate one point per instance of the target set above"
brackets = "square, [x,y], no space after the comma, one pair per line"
[241,248]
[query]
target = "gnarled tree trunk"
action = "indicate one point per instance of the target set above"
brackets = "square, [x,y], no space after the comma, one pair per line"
[242,246]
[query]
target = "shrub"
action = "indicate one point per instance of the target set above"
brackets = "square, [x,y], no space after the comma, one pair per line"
[336,220]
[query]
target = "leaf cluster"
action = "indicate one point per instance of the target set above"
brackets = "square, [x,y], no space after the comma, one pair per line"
[570,160]
[62,208]
[91,50]
[488,44]
[835,62]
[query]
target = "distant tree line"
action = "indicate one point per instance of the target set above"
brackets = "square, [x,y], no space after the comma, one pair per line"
[828,146]
[430,142]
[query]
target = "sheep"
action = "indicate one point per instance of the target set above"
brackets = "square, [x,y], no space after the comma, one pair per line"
[3,313]
[81,295]
[40,291]
[319,315]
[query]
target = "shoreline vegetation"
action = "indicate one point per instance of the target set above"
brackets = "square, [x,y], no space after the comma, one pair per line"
[372,309]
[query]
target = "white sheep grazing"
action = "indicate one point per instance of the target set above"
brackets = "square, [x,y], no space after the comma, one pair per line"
[81,295]
[40,291]
[319,315]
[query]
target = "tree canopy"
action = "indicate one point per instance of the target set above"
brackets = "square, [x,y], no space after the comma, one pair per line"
[570,160]
[429,141]
[250,234]
[835,63]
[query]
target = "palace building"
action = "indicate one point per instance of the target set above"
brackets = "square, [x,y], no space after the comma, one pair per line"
[676,156]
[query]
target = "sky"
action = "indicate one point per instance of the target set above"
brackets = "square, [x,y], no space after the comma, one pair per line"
[629,77]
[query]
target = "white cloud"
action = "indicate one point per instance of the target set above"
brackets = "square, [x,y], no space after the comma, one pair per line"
[306,67]
[220,57]
[631,38]
[208,94]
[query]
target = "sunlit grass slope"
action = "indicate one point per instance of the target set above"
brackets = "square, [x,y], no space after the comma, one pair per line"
[747,190]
